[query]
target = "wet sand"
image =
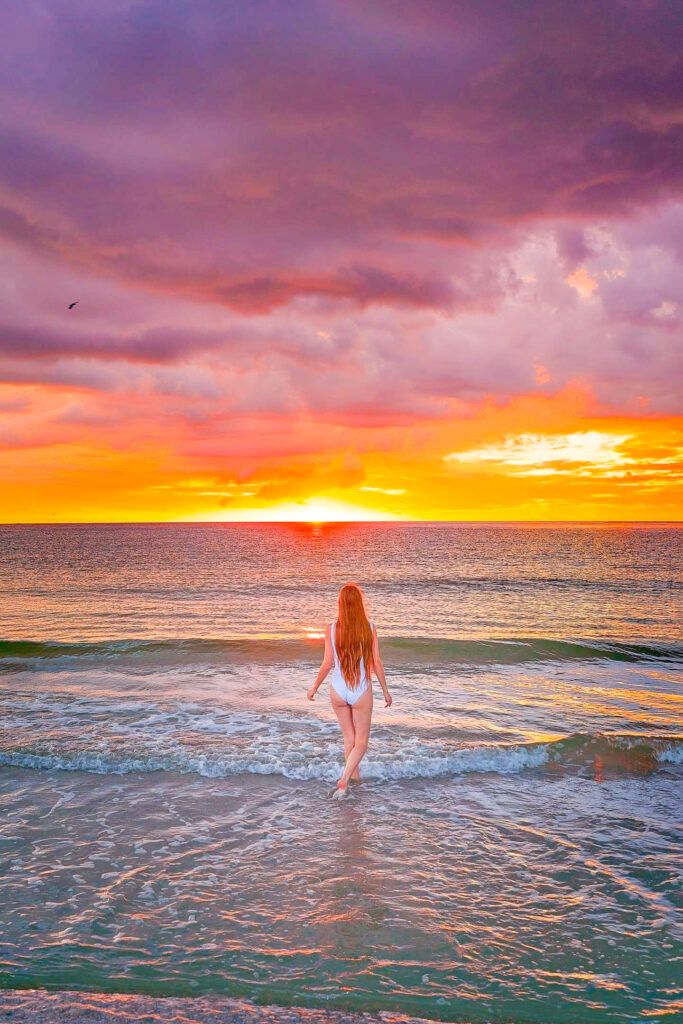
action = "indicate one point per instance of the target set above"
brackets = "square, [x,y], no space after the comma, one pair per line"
[38,1006]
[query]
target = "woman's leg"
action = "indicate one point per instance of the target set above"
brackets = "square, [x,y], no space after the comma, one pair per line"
[343,712]
[361,713]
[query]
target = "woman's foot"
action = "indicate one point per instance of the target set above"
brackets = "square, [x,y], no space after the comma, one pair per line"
[340,792]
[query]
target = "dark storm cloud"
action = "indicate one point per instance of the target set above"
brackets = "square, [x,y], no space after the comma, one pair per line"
[270,147]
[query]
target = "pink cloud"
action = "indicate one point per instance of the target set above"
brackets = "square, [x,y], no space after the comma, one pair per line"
[336,213]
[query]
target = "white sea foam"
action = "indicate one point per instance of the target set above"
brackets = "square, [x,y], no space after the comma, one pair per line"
[671,754]
[322,761]
[215,737]
[477,759]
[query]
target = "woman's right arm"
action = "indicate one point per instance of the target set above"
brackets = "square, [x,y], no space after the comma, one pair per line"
[328,662]
[379,669]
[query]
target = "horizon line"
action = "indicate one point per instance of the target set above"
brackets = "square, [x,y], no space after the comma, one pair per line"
[349,522]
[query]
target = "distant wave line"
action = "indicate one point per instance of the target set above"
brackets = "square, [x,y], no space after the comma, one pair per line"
[15,654]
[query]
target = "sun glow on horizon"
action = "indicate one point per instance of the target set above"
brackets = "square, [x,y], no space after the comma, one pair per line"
[312,510]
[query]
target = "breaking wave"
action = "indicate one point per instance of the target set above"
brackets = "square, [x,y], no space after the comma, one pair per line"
[318,757]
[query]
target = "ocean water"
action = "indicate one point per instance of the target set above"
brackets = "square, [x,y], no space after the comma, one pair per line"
[513,852]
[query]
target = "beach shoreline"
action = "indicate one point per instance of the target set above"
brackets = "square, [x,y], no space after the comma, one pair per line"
[512,854]
[41,1006]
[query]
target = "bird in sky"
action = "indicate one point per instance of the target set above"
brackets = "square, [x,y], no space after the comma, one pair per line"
[72,304]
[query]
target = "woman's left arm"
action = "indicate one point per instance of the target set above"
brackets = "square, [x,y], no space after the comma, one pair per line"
[328,662]
[379,669]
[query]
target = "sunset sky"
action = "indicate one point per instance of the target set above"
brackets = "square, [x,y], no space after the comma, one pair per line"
[341,260]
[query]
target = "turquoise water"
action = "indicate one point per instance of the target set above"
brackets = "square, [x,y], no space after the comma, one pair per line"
[513,852]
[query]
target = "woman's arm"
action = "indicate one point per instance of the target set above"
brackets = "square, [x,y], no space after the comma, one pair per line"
[328,662]
[379,669]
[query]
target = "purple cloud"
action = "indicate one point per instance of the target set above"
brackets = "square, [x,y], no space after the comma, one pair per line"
[269,148]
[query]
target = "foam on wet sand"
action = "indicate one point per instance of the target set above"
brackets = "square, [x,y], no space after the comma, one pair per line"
[38,1006]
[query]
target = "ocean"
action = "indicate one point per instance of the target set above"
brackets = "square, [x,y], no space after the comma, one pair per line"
[513,852]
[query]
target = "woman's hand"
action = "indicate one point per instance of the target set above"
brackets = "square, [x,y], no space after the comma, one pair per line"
[387,700]
[311,693]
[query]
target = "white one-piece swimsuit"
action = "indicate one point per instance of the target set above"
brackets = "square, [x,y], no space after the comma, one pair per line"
[337,681]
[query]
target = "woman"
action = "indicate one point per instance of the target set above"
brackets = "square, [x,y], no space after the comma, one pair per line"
[352,652]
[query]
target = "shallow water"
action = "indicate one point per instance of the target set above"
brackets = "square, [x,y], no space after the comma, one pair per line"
[513,852]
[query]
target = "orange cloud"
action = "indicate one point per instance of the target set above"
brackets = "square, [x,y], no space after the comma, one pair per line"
[537,457]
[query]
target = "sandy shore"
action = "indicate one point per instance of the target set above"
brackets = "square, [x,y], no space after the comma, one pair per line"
[31,1006]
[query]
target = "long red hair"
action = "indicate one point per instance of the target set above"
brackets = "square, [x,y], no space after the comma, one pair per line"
[353,635]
